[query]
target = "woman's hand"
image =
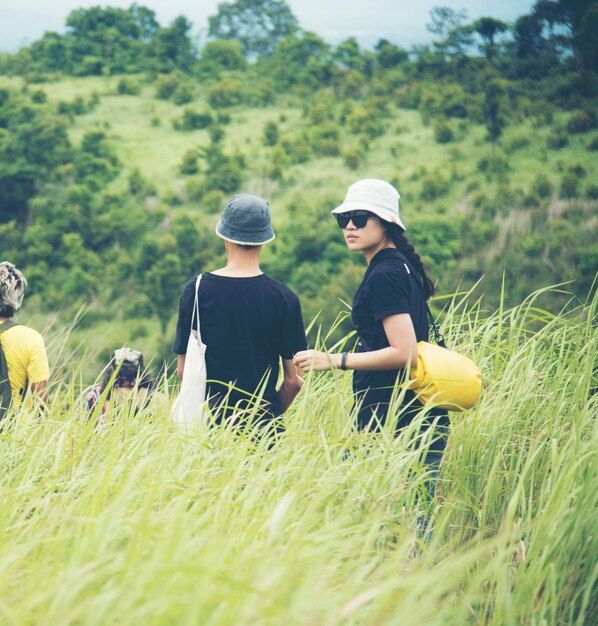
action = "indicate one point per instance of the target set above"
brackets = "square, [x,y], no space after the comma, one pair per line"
[314,361]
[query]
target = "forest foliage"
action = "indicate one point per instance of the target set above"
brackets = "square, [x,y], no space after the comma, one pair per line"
[511,108]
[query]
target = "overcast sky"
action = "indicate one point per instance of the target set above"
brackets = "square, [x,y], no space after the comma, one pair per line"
[401,21]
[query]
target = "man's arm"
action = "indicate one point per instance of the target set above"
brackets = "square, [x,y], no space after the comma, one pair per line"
[180,365]
[291,384]
[40,390]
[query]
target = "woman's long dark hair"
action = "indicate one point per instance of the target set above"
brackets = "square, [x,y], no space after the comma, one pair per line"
[397,235]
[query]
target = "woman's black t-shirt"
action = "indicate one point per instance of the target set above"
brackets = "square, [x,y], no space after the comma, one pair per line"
[389,287]
[247,324]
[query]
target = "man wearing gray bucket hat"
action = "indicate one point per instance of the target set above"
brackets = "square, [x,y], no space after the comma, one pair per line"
[248,320]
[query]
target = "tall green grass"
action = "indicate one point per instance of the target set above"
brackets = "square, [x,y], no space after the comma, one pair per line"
[139,524]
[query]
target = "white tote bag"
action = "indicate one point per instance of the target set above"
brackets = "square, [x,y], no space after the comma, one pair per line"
[188,409]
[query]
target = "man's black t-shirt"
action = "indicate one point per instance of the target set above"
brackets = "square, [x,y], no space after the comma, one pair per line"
[389,287]
[247,324]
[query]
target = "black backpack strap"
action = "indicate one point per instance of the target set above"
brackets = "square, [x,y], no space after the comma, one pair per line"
[438,336]
[7,325]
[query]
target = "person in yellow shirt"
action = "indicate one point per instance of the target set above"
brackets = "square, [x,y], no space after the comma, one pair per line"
[23,347]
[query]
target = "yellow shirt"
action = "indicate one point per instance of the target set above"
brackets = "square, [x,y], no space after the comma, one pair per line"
[26,359]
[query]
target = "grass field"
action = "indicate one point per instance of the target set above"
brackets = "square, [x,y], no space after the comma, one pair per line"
[138,524]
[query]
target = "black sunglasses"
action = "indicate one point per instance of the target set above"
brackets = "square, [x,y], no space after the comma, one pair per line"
[359,218]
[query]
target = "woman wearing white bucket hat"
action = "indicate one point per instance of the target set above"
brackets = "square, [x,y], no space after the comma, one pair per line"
[389,313]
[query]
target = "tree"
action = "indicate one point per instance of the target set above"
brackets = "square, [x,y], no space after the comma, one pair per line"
[455,35]
[114,37]
[390,55]
[493,109]
[488,28]
[172,47]
[51,53]
[555,27]
[528,36]
[33,146]
[257,24]
[303,58]
[221,55]
[586,39]
[348,55]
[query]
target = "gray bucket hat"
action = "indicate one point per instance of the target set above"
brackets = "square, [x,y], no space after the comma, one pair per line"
[246,221]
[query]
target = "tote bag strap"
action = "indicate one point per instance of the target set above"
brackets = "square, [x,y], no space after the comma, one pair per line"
[195,314]
[438,336]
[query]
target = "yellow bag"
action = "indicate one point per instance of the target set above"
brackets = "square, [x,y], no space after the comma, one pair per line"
[445,378]
[441,376]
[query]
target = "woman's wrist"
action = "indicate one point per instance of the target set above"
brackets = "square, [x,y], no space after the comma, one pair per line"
[342,361]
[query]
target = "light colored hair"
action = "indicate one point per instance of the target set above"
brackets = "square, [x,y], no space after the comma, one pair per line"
[12,287]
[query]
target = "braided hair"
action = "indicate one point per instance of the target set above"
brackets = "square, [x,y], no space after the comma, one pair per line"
[397,235]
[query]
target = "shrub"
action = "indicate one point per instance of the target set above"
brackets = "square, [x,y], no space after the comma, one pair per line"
[271,134]
[138,185]
[189,164]
[223,118]
[484,205]
[216,133]
[557,139]
[494,165]
[533,244]
[325,139]
[39,96]
[128,87]
[166,84]
[532,200]
[542,186]
[593,145]
[297,151]
[578,170]
[439,237]
[517,143]
[224,172]
[74,107]
[569,185]
[543,113]
[155,120]
[260,92]
[507,198]
[94,100]
[193,120]
[195,188]
[328,147]
[172,197]
[226,93]
[443,133]
[275,172]
[364,142]
[362,121]
[592,192]
[582,121]
[352,157]
[184,93]
[433,186]
[213,201]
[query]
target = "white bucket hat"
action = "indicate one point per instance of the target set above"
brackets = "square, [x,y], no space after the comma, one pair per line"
[375,196]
